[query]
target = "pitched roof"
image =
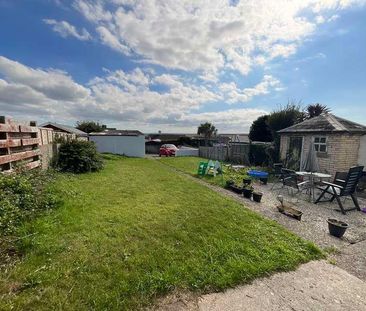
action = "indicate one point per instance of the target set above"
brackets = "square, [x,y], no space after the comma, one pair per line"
[65,128]
[326,122]
[117,133]
[240,137]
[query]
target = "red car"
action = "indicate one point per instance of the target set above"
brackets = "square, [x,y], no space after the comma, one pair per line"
[167,150]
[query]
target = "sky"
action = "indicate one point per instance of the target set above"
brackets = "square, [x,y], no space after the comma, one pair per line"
[170,65]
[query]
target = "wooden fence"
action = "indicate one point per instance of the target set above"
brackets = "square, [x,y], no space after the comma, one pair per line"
[25,143]
[237,153]
[19,143]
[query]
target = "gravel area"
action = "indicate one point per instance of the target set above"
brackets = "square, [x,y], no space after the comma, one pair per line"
[349,252]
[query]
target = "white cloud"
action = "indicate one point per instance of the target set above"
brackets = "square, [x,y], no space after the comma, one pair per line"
[319,19]
[319,55]
[109,39]
[53,84]
[333,18]
[208,36]
[237,95]
[229,120]
[64,29]
[123,98]
[93,11]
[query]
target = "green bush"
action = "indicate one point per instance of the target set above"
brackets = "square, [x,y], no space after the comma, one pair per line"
[22,195]
[259,155]
[77,156]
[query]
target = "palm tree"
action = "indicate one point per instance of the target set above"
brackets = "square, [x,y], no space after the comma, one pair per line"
[315,110]
[208,130]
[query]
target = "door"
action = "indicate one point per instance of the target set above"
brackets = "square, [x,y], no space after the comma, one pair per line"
[294,153]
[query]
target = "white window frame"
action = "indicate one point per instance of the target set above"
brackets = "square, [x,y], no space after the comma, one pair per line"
[318,143]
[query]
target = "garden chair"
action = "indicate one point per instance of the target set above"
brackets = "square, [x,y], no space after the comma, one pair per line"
[277,174]
[342,188]
[290,180]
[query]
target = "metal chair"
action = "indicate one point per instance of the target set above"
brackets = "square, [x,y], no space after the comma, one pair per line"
[343,188]
[277,174]
[290,180]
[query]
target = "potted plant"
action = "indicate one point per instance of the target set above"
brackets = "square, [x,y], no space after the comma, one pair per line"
[257,196]
[336,227]
[264,180]
[247,192]
[247,181]
[236,189]
[229,183]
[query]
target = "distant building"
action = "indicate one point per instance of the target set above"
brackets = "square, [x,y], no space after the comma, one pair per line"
[233,138]
[130,143]
[61,128]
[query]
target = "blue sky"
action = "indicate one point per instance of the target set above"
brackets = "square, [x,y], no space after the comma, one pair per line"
[153,65]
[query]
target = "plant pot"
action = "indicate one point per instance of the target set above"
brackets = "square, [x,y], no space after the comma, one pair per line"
[229,183]
[236,189]
[264,181]
[257,196]
[287,210]
[247,181]
[337,228]
[247,193]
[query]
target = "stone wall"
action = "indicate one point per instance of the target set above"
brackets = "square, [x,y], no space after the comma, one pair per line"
[48,154]
[362,151]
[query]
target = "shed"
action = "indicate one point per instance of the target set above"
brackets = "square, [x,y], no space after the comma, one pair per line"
[66,129]
[339,143]
[123,142]
[234,138]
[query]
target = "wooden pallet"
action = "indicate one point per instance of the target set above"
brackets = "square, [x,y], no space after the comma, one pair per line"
[19,144]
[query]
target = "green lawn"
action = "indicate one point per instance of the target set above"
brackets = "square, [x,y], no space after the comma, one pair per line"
[136,231]
[189,165]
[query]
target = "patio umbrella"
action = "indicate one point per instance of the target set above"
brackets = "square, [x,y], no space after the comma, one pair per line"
[310,162]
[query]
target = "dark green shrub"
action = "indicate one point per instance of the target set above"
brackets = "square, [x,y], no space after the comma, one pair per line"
[77,156]
[23,195]
[259,155]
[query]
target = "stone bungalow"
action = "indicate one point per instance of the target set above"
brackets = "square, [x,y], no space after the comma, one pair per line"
[339,143]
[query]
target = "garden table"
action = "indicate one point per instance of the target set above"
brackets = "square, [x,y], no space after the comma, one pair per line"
[312,176]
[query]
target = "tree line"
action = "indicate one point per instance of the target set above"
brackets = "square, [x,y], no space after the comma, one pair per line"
[265,127]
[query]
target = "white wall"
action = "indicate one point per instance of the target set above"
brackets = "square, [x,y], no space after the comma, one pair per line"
[362,151]
[131,146]
[184,152]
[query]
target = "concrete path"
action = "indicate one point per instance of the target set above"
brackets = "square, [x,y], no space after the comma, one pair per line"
[314,286]
[317,285]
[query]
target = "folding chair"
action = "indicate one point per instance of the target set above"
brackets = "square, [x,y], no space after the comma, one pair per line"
[290,180]
[277,174]
[343,188]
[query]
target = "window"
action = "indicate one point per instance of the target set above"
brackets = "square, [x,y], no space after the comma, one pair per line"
[320,144]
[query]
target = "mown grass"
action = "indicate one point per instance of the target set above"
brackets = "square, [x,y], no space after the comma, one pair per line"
[136,231]
[189,165]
